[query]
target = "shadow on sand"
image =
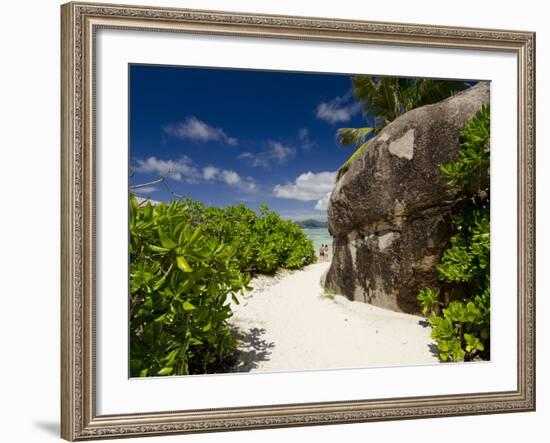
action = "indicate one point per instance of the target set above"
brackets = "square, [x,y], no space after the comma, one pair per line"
[252,349]
[424,323]
[434,350]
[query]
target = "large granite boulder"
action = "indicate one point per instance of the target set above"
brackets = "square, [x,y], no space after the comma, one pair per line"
[390,214]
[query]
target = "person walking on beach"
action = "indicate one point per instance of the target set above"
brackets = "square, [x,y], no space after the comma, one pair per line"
[322,252]
[325,251]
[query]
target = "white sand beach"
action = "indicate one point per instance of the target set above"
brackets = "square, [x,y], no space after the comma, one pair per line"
[287,323]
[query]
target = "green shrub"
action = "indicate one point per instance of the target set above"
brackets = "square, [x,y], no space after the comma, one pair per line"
[429,301]
[473,156]
[461,330]
[185,261]
[264,242]
[179,282]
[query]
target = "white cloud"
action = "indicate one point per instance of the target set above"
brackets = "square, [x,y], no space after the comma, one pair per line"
[337,110]
[176,169]
[145,189]
[280,152]
[274,152]
[254,160]
[305,142]
[210,172]
[248,184]
[322,203]
[230,177]
[308,187]
[194,129]
[185,169]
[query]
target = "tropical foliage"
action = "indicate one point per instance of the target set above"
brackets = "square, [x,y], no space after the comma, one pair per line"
[460,313]
[186,263]
[473,156]
[385,99]
[263,243]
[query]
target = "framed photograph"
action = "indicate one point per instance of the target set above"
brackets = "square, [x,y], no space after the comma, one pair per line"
[284,221]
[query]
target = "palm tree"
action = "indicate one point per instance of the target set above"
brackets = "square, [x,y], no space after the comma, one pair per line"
[386,98]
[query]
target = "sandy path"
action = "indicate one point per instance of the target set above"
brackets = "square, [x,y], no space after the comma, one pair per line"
[288,324]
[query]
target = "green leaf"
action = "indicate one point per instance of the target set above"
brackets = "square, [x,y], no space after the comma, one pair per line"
[162,280]
[187,306]
[184,286]
[156,248]
[182,264]
[170,358]
[148,211]
[195,235]
[165,371]
[165,240]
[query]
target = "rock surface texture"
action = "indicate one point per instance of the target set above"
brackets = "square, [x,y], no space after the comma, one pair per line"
[390,214]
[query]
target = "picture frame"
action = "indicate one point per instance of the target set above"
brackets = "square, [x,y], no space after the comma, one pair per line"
[80,24]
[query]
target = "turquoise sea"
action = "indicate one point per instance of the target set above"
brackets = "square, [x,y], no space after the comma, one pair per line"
[319,236]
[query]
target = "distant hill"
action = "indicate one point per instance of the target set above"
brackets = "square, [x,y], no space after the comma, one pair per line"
[310,223]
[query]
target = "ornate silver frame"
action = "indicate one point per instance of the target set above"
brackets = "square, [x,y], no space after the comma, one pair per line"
[80,21]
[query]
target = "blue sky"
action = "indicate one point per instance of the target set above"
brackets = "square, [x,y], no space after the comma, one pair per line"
[226,136]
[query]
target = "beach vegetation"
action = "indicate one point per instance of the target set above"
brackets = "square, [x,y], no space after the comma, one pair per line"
[328,294]
[264,242]
[461,326]
[429,301]
[187,261]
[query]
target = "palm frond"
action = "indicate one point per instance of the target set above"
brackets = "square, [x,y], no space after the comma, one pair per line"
[428,91]
[385,99]
[381,96]
[353,136]
[388,97]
